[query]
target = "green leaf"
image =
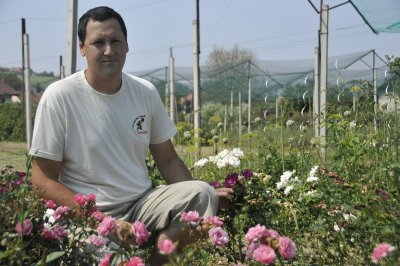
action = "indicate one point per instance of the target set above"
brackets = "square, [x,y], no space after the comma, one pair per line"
[7,253]
[52,256]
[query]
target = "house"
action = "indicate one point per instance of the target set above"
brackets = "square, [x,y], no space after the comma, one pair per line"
[8,94]
[185,103]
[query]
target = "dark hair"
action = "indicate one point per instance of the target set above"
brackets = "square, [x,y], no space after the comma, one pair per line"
[100,13]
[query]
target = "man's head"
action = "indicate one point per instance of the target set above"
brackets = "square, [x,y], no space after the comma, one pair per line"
[103,41]
[100,13]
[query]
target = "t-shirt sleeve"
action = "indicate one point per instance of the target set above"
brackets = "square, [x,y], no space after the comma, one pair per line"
[49,130]
[162,127]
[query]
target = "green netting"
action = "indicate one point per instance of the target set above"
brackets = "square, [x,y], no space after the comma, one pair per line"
[380,15]
[342,69]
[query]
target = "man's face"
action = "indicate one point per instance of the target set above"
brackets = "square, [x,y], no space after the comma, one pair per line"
[105,48]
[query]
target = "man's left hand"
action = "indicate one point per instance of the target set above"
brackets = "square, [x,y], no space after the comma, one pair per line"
[225,196]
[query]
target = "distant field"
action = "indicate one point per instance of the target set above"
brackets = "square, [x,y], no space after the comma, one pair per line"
[42,81]
[13,153]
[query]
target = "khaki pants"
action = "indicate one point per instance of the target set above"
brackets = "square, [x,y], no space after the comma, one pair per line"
[161,207]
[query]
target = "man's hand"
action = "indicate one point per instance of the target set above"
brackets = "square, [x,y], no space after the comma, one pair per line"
[225,197]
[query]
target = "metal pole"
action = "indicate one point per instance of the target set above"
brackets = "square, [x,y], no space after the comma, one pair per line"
[28,108]
[71,37]
[196,87]
[276,105]
[240,116]
[166,89]
[324,74]
[225,117]
[375,92]
[249,113]
[316,111]
[231,111]
[172,87]
[62,73]
[23,32]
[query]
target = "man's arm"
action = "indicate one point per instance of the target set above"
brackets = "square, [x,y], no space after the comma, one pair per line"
[45,178]
[171,167]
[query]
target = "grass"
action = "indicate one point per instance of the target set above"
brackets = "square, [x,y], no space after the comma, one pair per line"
[13,153]
[42,81]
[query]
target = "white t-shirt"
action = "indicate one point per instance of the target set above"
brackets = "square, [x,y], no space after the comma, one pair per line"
[102,140]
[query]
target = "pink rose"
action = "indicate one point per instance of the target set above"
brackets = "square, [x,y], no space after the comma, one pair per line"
[250,249]
[20,174]
[17,182]
[55,233]
[135,261]
[139,230]
[99,216]
[50,204]
[166,247]
[60,211]
[264,254]
[80,199]
[213,220]
[106,260]
[60,231]
[287,248]
[27,227]
[256,233]
[107,226]
[49,234]
[381,251]
[191,217]
[218,236]
[91,198]
[98,241]
[272,233]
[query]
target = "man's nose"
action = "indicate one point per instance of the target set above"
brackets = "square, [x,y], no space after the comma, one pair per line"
[108,48]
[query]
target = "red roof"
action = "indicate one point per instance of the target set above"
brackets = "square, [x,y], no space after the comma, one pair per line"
[5,89]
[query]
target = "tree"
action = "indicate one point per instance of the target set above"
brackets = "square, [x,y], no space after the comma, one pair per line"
[394,63]
[13,80]
[226,71]
[12,122]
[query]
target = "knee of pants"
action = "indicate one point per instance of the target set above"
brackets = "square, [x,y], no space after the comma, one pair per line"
[205,197]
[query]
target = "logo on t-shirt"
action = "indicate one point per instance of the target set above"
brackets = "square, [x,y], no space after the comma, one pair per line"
[139,125]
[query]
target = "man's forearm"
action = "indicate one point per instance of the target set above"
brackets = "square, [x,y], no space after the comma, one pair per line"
[44,179]
[176,171]
[53,190]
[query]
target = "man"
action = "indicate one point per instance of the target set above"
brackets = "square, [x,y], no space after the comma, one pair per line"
[93,130]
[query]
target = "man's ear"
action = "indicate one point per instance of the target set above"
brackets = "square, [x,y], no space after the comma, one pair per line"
[81,49]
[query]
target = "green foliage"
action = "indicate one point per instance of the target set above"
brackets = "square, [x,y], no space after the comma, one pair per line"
[12,122]
[229,72]
[12,80]
[19,202]
[336,211]
[16,79]
[180,89]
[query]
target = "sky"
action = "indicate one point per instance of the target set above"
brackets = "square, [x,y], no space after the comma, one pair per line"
[271,29]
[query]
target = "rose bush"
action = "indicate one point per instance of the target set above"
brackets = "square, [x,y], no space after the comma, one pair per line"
[290,206]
